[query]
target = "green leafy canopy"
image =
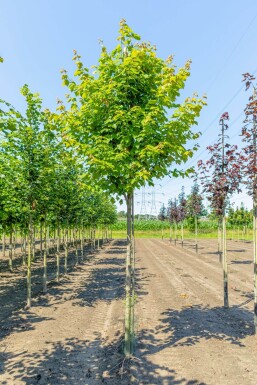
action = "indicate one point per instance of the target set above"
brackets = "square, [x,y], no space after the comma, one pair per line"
[125,118]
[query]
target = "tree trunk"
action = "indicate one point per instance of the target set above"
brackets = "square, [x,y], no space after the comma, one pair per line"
[219,242]
[98,238]
[81,242]
[41,239]
[4,242]
[128,337]
[11,250]
[255,261]
[133,266]
[14,242]
[30,237]
[196,235]
[58,253]
[33,244]
[45,256]
[224,262]
[182,234]
[76,247]
[66,250]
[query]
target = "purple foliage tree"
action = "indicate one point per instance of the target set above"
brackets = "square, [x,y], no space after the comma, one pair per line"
[174,215]
[182,211]
[195,208]
[249,133]
[220,177]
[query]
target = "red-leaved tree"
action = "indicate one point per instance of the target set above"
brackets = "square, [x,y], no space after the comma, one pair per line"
[249,133]
[220,177]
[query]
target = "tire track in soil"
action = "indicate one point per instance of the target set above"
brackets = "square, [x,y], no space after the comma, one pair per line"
[184,334]
[213,269]
[72,336]
[239,285]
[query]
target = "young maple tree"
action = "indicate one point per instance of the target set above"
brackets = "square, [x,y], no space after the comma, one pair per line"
[249,133]
[163,213]
[182,211]
[221,177]
[127,122]
[195,208]
[174,215]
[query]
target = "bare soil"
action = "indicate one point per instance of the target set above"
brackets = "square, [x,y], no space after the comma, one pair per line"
[184,335]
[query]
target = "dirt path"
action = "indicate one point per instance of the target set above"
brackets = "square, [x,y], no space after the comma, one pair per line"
[184,334]
[73,335]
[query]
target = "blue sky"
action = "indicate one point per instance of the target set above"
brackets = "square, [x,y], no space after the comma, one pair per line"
[38,37]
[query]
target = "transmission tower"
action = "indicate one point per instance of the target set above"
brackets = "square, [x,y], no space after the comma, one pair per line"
[143,210]
[153,210]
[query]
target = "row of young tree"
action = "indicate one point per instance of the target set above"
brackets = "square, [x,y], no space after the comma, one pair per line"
[43,190]
[126,121]
[182,213]
[226,171]
[184,209]
[222,175]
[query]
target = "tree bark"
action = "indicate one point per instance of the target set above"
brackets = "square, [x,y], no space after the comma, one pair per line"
[196,235]
[128,336]
[58,253]
[45,257]
[255,260]
[11,249]
[224,262]
[30,238]
[66,245]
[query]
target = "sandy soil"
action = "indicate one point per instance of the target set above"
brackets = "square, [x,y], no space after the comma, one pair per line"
[184,336]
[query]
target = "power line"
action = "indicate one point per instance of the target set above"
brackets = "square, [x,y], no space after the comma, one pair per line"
[232,52]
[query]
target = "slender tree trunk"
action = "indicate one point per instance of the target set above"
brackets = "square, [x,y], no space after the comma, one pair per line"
[58,253]
[196,235]
[14,242]
[94,239]
[24,251]
[33,244]
[182,234]
[30,237]
[98,238]
[81,243]
[255,260]
[45,257]
[224,262]
[76,247]
[48,241]
[219,242]
[41,239]
[11,250]
[128,337]
[4,243]
[133,266]
[66,250]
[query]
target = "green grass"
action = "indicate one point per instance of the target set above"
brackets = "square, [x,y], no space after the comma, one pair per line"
[234,235]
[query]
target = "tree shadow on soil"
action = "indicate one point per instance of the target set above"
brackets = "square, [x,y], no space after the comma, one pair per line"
[13,292]
[192,324]
[78,362]
[19,323]
[107,278]
[84,362]
[247,262]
